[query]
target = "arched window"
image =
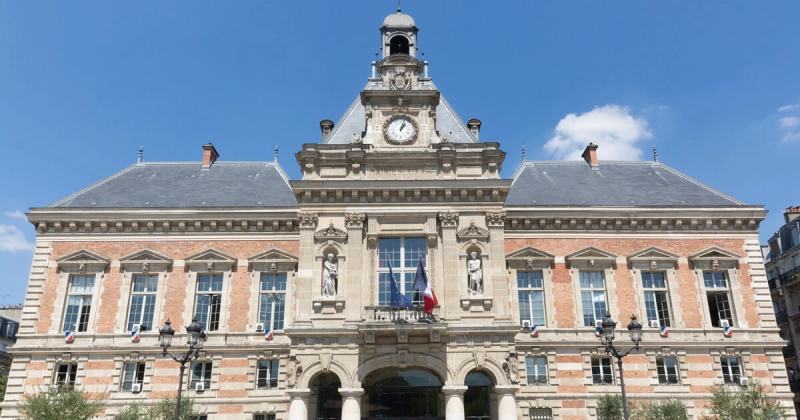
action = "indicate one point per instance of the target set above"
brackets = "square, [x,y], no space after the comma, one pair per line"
[328,399]
[402,393]
[398,45]
[477,399]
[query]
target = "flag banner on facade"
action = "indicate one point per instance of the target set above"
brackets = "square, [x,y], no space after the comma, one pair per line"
[664,331]
[727,331]
[534,331]
[136,333]
[268,334]
[69,336]
[421,284]
[398,299]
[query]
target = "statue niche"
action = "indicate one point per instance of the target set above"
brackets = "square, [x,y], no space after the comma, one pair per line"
[330,276]
[475,275]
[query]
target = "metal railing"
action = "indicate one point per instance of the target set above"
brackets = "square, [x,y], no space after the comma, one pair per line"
[790,276]
[398,315]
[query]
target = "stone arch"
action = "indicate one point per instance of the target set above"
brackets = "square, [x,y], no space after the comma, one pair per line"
[476,246]
[324,248]
[436,365]
[315,368]
[493,368]
[399,44]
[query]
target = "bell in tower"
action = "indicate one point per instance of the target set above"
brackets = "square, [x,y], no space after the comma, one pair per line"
[399,35]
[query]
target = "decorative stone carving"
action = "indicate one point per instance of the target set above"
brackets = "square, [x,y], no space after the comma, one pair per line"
[82,267]
[330,233]
[145,267]
[591,263]
[293,371]
[475,275]
[496,219]
[653,265]
[448,219]
[715,264]
[529,264]
[330,275]
[273,267]
[401,104]
[510,366]
[400,79]
[473,232]
[210,266]
[308,220]
[355,220]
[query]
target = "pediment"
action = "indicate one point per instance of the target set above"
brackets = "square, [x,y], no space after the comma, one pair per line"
[714,253]
[591,254]
[473,232]
[211,260]
[82,256]
[145,255]
[330,233]
[529,253]
[273,260]
[652,254]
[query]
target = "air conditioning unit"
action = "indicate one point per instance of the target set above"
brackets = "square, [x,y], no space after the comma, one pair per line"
[135,388]
[526,323]
[55,388]
[723,323]
[598,323]
[744,381]
[200,387]
[655,324]
[260,327]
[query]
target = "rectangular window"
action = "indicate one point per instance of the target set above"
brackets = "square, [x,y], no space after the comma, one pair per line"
[718,297]
[731,370]
[273,301]
[143,301]
[201,373]
[203,417]
[541,414]
[79,303]
[209,300]
[536,369]
[601,371]
[263,417]
[65,375]
[132,373]
[267,375]
[593,296]
[531,297]
[656,297]
[667,370]
[404,255]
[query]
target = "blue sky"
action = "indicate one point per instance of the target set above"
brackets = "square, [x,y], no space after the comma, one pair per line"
[715,86]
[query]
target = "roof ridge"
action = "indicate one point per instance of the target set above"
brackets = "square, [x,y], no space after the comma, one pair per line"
[702,185]
[343,118]
[95,185]
[457,117]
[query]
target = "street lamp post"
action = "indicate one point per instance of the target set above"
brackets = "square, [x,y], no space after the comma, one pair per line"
[607,339]
[195,339]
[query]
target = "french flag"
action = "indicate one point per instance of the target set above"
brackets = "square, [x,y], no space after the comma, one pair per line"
[664,331]
[727,331]
[421,284]
[268,334]
[136,333]
[69,336]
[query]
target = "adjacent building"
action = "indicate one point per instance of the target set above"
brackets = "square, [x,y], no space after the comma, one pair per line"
[782,259]
[9,325]
[293,280]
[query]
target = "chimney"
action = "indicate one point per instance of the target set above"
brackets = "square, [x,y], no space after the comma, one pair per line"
[474,126]
[327,127]
[590,154]
[210,155]
[791,213]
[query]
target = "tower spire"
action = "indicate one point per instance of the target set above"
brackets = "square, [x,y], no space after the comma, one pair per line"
[398,7]
[139,159]
[655,154]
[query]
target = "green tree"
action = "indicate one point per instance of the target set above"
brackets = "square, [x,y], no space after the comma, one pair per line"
[3,384]
[743,403]
[609,407]
[60,404]
[162,410]
[671,409]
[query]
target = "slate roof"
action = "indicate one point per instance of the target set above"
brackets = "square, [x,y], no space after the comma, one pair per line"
[187,184]
[354,122]
[639,184]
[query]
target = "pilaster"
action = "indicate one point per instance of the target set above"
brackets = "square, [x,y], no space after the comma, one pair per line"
[353,286]
[452,288]
[495,221]
[305,282]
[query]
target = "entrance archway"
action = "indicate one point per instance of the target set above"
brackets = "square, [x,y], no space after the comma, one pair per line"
[325,397]
[398,394]
[478,398]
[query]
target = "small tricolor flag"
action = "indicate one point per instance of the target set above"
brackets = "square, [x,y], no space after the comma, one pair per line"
[664,331]
[268,334]
[135,334]
[421,284]
[598,331]
[69,336]
[727,331]
[534,331]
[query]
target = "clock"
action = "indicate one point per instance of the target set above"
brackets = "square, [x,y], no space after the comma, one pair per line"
[400,129]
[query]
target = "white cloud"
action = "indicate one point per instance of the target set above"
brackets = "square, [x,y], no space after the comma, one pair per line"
[788,108]
[612,127]
[791,137]
[13,240]
[789,122]
[16,214]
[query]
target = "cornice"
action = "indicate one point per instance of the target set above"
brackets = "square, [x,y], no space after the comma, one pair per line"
[87,225]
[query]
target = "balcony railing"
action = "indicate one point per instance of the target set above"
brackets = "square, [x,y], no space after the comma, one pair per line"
[398,315]
[781,317]
[790,276]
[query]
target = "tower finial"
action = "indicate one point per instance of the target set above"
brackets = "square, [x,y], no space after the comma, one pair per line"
[523,153]
[655,154]
[398,7]
[139,159]
[276,153]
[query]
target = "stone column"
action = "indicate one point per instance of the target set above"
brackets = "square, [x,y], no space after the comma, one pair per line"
[454,397]
[506,402]
[496,264]
[451,289]
[355,285]
[305,282]
[298,407]
[351,403]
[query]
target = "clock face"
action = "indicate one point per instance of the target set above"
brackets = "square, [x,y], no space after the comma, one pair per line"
[401,129]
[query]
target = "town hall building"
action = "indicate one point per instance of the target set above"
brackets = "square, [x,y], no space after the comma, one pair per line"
[293,281]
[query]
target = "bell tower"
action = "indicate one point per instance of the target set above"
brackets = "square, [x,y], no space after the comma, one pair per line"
[399,35]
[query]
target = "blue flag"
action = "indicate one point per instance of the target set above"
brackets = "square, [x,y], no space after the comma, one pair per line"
[398,300]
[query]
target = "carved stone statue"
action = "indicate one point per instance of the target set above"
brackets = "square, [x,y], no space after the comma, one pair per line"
[475,275]
[293,371]
[511,368]
[329,277]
